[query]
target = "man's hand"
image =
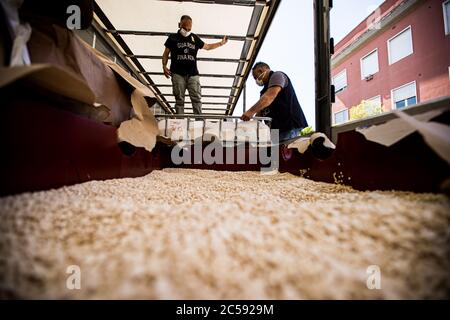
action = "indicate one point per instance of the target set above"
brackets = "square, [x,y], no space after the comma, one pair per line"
[247,116]
[167,72]
[212,46]
[224,41]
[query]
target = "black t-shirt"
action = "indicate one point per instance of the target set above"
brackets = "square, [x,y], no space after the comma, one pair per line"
[183,53]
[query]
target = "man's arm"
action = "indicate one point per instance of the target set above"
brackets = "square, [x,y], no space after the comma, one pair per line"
[165,59]
[265,101]
[212,46]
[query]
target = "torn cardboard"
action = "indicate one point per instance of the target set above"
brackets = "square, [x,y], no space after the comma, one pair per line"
[61,47]
[65,65]
[135,84]
[142,129]
[436,135]
[49,77]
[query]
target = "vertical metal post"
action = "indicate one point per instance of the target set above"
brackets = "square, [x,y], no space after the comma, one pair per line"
[244,102]
[188,121]
[203,129]
[257,131]
[322,53]
[165,127]
[235,129]
[94,40]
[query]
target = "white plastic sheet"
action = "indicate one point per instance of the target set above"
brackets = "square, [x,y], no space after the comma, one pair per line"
[21,33]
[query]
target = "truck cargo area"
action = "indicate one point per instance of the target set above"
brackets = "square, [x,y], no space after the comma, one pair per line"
[89,176]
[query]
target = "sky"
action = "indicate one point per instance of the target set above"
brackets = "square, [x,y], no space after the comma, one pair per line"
[289,45]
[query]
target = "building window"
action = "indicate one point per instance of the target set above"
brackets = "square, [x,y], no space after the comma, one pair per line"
[341,117]
[369,64]
[400,46]
[374,102]
[340,81]
[373,106]
[446,6]
[404,96]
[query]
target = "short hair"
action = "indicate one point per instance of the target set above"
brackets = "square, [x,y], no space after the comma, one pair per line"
[260,64]
[185,17]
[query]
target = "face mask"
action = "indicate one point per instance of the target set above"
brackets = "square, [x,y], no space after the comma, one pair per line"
[185,33]
[259,81]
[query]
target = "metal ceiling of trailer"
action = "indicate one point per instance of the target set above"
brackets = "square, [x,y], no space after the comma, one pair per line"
[139,28]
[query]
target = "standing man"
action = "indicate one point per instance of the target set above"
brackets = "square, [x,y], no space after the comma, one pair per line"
[183,47]
[278,101]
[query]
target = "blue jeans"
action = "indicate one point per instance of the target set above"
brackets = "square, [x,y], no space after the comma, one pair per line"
[192,84]
[291,134]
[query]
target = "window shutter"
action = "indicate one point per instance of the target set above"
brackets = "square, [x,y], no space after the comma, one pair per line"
[340,81]
[405,92]
[370,64]
[400,46]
